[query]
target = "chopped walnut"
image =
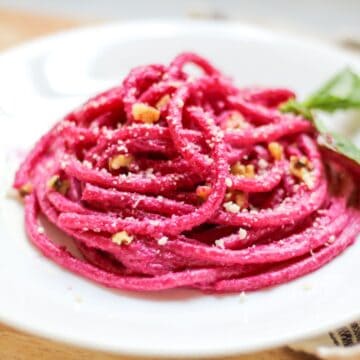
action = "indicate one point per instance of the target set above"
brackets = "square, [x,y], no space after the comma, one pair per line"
[203,192]
[58,184]
[249,171]
[301,162]
[301,167]
[243,170]
[238,168]
[119,161]
[229,195]
[276,150]
[145,113]
[240,199]
[122,237]
[305,161]
[26,189]
[163,102]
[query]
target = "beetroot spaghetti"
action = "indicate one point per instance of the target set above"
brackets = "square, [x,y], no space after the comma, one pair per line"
[174,180]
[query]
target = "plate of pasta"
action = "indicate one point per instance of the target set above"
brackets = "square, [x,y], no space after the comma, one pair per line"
[179,188]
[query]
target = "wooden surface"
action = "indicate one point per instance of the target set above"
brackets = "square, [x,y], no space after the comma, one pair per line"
[17,27]
[17,346]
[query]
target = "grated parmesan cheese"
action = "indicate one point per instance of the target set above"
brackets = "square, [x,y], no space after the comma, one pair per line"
[220,243]
[163,240]
[228,182]
[231,207]
[242,233]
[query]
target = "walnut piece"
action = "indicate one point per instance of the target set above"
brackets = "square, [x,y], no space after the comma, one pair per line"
[118,161]
[122,237]
[243,170]
[26,189]
[276,150]
[301,167]
[57,184]
[203,192]
[145,113]
[163,102]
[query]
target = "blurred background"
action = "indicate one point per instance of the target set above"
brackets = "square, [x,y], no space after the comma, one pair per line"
[331,20]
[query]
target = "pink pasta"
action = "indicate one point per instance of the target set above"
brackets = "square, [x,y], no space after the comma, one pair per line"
[171,180]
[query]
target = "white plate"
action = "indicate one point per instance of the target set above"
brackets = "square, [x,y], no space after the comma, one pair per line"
[40,82]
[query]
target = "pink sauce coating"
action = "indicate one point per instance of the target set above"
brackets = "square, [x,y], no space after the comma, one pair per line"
[171,180]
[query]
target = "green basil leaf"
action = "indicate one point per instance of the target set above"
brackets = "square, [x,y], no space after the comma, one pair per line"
[337,142]
[297,108]
[339,93]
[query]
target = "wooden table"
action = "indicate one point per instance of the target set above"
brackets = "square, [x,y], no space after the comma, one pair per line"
[16,27]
